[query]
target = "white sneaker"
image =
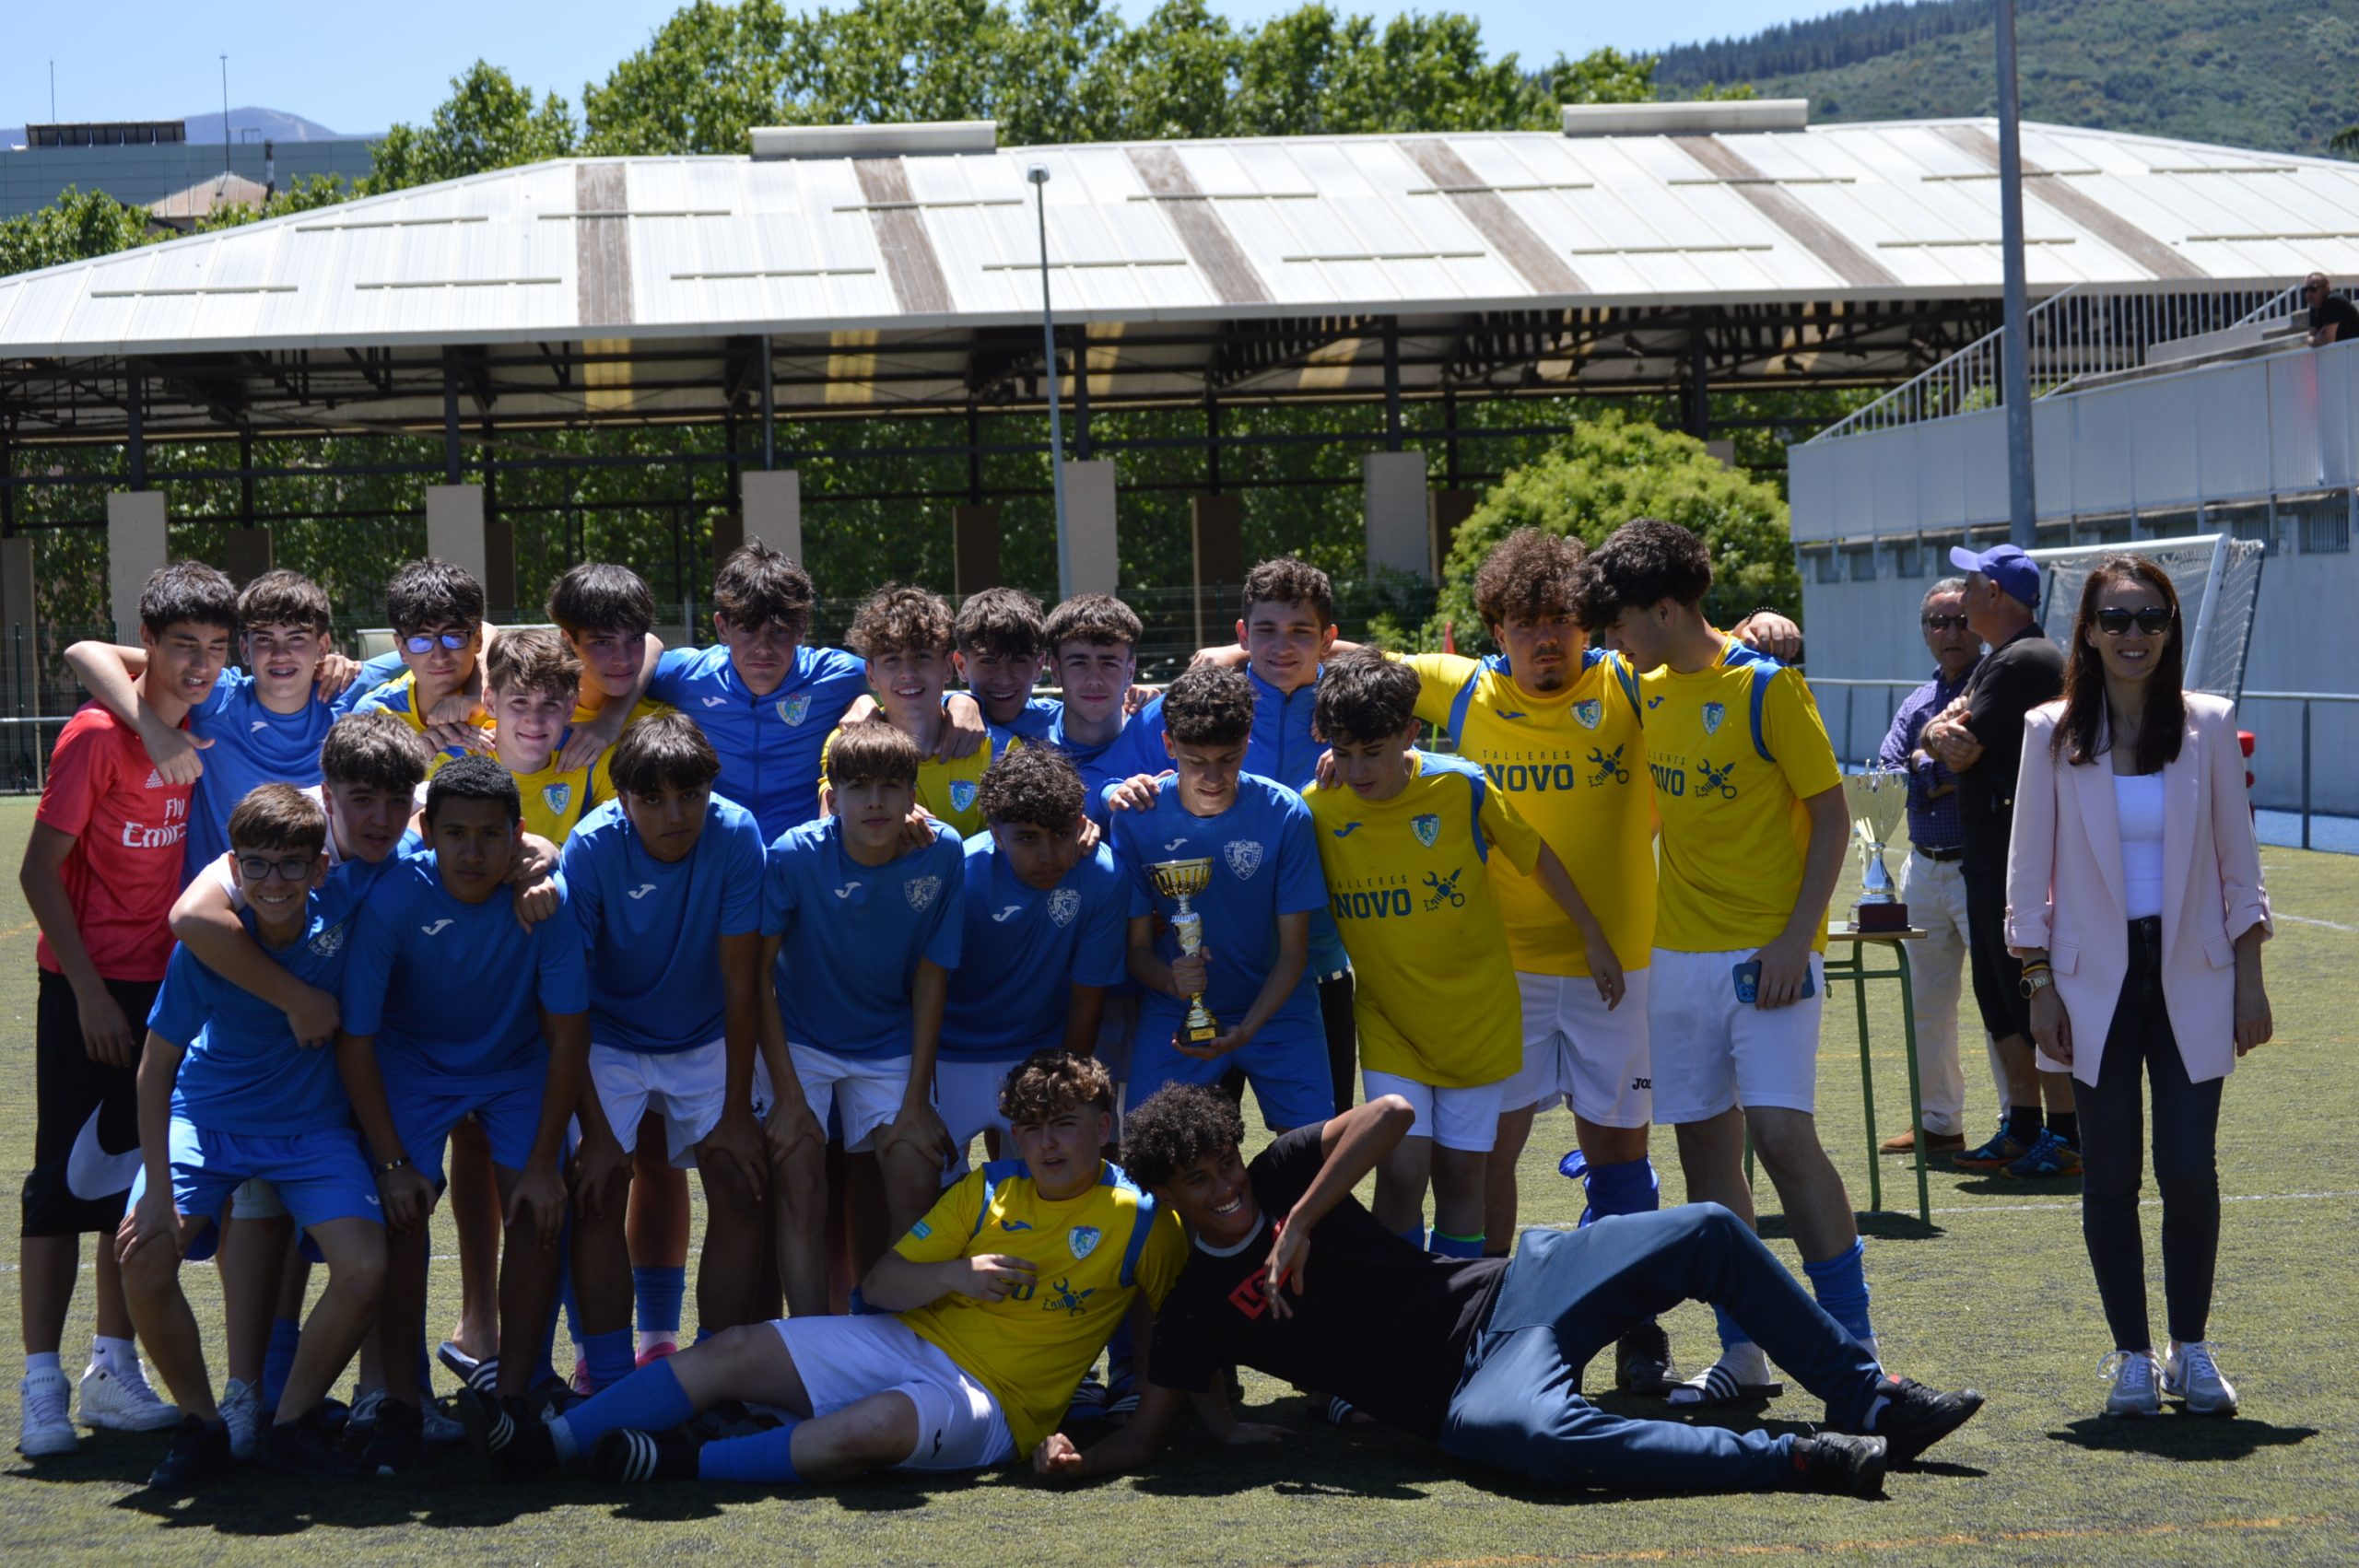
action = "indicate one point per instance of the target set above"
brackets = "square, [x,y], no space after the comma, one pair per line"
[241,1414]
[48,1424]
[123,1403]
[2190,1373]
[2132,1373]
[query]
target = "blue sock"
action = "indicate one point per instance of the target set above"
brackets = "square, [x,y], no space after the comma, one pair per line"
[1627,1187]
[855,1304]
[1730,1335]
[650,1399]
[1415,1236]
[610,1357]
[659,1294]
[279,1361]
[1444,1244]
[1840,1282]
[767,1458]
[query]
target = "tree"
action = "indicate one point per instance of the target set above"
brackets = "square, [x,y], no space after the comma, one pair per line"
[489,121]
[74,228]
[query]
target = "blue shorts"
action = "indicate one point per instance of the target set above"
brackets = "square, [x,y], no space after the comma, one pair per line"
[317,1175]
[1286,1065]
[425,1111]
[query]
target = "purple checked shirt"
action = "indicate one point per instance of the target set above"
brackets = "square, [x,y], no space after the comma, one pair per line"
[1932,825]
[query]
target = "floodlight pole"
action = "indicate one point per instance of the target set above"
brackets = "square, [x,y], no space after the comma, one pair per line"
[2015,357]
[1038,174]
[225,114]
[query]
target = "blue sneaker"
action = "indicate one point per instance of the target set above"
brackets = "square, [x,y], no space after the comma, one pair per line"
[2003,1150]
[2050,1159]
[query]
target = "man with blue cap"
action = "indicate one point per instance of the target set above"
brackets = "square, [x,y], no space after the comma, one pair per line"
[1981,738]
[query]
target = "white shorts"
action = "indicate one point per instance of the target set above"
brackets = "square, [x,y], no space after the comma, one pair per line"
[1466,1120]
[1578,1052]
[256,1199]
[1713,1052]
[844,1360]
[686,1088]
[863,1093]
[965,1094]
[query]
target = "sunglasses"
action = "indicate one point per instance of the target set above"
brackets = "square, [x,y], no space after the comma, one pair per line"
[2149,622]
[426,643]
[260,868]
[1946,622]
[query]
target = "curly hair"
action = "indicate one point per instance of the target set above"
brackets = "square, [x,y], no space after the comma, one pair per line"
[1289,581]
[1529,574]
[1176,1127]
[1093,618]
[1362,696]
[1209,707]
[757,585]
[599,596]
[872,752]
[283,598]
[473,778]
[666,752]
[1005,620]
[1644,562]
[899,618]
[1033,785]
[432,592]
[1047,1083]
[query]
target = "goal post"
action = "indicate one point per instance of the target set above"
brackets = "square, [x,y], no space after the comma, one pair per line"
[2218,579]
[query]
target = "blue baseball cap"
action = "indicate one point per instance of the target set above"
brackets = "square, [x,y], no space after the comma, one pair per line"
[2017,574]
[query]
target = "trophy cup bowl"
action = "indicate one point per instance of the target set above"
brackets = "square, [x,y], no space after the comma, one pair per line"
[1878,800]
[1180,881]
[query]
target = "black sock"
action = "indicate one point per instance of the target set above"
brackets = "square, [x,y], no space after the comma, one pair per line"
[2022,1124]
[2066,1125]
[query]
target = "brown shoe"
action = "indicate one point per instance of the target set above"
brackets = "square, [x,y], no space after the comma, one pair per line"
[1935,1142]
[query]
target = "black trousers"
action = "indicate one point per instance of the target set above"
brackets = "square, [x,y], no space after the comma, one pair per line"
[1998,974]
[2187,1126]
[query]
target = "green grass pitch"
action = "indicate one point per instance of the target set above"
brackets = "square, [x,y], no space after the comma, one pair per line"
[1996,1293]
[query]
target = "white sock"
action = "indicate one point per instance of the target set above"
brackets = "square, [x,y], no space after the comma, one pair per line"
[655,1339]
[41,1361]
[118,1356]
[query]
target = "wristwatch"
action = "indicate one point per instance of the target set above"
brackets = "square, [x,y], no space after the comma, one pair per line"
[2036,981]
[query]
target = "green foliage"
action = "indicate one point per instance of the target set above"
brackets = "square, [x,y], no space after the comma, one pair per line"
[305,195]
[1612,469]
[489,121]
[74,228]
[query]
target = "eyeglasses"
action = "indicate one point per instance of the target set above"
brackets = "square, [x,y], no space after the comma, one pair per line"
[426,643]
[1946,622]
[2150,622]
[258,868]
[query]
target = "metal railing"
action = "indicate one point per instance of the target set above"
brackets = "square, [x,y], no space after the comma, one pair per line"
[2306,699]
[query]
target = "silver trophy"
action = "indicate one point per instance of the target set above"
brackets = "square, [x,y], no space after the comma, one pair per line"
[1878,800]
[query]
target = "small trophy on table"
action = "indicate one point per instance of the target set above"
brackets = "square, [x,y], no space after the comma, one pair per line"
[1180,881]
[1878,800]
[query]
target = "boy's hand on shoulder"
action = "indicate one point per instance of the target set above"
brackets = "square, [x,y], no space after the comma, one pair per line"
[1135,793]
[916,828]
[337,671]
[1225,656]
[173,749]
[1137,697]
[460,736]
[966,730]
[585,743]
[1323,770]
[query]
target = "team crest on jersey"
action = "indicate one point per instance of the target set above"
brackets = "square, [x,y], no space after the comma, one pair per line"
[1084,1240]
[1063,905]
[793,710]
[1427,826]
[327,940]
[962,794]
[1244,857]
[555,796]
[1713,713]
[921,891]
[1588,713]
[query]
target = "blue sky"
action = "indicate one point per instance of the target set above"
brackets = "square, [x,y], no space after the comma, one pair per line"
[361,67]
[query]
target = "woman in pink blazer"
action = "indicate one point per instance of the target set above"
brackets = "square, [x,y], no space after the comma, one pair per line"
[2134,897]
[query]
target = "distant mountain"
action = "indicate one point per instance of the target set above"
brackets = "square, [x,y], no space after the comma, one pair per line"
[2274,75]
[273,124]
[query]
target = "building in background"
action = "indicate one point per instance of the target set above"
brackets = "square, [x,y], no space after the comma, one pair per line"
[141,163]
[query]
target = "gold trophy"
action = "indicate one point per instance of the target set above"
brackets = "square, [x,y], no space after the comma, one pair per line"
[1180,881]
[1878,800]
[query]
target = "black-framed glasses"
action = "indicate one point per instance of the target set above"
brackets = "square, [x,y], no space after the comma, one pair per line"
[2150,622]
[1946,622]
[426,642]
[262,868]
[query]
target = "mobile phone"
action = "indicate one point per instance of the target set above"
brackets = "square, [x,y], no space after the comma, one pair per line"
[1748,982]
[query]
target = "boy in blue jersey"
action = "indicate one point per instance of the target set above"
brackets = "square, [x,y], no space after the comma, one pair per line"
[1094,638]
[992,1307]
[665,887]
[228,1096]
[1046,926]
[1262,882]
[1000,642]
[453,1008]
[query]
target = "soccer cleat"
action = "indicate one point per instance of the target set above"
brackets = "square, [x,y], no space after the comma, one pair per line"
[1911,1418]
[309,1446]
[241,1414]
[1642,1362]
[508,1440]
[2133,1374]
[2190,1373]
[1833,1462]
[624,1456]
[2003,1150]
[47,1427]
[2050,1159]
[363,1420]
[398,1445]
[200,1453]
[123,1401]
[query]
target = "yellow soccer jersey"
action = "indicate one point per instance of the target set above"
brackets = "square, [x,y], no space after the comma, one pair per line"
[399,696]
[1094,1252]
[553,800]
[1433,992]
[1570,762]
[950,790]
[1734,751]
[648,708]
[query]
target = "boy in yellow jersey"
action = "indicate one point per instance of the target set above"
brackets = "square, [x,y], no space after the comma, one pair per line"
[993,1305]
[1403,842]
[1754,827]
[904,633]
[531,679]
[437,611]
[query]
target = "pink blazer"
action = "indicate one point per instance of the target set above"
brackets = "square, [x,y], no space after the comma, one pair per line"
[2064,885]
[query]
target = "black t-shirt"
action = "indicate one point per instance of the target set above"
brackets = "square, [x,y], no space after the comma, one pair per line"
[2341,313]
[2017,677]
[1382,1323]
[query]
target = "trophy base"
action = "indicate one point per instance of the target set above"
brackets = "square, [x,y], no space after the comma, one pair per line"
[1198,1029]
[1879,916]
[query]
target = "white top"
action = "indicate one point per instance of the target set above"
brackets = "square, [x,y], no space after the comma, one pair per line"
[2138,802]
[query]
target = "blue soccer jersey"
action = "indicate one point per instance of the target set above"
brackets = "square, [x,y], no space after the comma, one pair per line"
[250,745]
[1024,948]
[381,670]
[1138,748]
[243,1072]
[1264,865]
[1040,715]
[453,991]
[652,931]
[768,745]
[852,935]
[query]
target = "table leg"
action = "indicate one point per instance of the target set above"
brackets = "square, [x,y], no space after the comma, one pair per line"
[1867,1076]
[1916,1101]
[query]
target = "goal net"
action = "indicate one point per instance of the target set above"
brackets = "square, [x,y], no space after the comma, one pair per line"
[2218,579]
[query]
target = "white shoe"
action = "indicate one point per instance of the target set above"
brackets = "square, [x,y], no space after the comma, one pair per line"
[2190,1373]
[123,1403]
[48,1424]
[241,1414]
[2132,1373]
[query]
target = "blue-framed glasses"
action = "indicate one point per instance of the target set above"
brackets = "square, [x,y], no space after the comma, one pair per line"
[425,643]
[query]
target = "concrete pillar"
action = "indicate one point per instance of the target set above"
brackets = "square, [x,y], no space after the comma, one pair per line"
[974,548]
[136,546]
[1445,509]
[454,531]
[1392,486]
[1216,529]
[19,639]
[1093,558]
[250,554]
[772,512]
[499,575]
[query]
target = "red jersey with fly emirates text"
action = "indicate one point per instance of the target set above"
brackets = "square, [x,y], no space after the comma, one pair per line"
[128,826]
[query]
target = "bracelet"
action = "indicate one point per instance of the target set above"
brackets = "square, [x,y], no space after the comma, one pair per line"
[389,1167]
[2035,968]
